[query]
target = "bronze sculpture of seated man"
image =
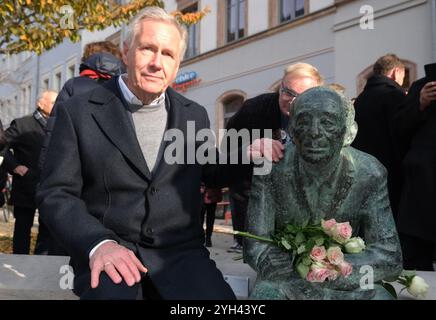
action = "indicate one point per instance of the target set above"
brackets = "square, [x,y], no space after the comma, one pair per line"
[322,177]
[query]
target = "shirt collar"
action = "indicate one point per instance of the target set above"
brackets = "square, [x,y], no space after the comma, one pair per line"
[132,100]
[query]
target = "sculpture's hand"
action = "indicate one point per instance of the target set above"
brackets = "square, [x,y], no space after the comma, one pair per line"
[276,264]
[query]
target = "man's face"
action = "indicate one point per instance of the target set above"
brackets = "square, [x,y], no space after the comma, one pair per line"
[319,130]
[153,58]
[292,86]
[46,102]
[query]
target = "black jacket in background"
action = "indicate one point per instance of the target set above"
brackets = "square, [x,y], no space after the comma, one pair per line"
[25,137]
[375,109]
[416,130]
[3,172]
[101,62]
[261,112]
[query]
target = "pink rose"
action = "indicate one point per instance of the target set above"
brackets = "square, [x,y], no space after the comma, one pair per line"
[328,225]
[310,276]
[334,274]
[341,232]
[335,255]
[318,253]
[317,274]
[346,268]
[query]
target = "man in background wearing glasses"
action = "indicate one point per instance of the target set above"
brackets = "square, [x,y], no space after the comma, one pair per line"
[268,111]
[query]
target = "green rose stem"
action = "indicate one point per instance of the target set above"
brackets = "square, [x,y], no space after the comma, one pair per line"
[249,235]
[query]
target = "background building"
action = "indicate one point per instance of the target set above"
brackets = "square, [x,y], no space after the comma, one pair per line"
[240,49]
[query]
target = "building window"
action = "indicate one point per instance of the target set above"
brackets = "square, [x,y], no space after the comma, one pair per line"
[57,81]
[24,100]
[231,105]
[235,19]
[227,105]
[291,9]
[45,84]
[29,97]
[193,33]
[70,71]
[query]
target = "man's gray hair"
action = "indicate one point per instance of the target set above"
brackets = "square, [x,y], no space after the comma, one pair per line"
[157,14]
[43,92]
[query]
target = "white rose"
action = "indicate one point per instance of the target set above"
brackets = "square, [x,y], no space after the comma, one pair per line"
[354,245]
[418,288]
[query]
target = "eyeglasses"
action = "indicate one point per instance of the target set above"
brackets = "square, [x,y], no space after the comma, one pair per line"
[289,92]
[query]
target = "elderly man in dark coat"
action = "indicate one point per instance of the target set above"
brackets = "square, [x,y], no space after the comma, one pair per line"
[128,217]
[25,138]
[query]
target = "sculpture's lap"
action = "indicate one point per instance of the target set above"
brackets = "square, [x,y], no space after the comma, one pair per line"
[303,290]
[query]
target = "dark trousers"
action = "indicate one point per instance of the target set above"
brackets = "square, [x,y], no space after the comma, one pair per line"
[22,230]
[418,253]
[108,290]
[189,274]
[239,212]
[208,210]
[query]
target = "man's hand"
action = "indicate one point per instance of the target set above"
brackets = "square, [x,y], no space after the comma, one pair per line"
[21,170]
[118,262]
[427,95]
[265,148]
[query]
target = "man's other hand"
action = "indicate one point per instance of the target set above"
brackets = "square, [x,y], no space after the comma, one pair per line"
[267,148]
[118,262]
[21,170]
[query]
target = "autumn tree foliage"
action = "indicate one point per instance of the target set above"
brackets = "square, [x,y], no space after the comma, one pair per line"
[27,25]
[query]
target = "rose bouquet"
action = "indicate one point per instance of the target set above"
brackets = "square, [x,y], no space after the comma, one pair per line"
[318,249]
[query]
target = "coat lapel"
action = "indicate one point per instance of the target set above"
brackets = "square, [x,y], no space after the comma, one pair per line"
[113,120]
[176,120]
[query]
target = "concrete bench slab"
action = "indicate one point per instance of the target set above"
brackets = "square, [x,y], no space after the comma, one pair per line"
[30,277]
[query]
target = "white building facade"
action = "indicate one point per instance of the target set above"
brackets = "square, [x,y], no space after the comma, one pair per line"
[24,75]
[240,49]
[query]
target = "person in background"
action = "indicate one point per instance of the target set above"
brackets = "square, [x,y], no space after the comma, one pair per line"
[337,87]
[100,62]
[415,131]
[211,196]
[3,171]
[375,109]
[267,111]
[25,137]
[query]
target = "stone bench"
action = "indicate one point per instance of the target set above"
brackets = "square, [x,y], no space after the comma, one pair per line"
[27,277]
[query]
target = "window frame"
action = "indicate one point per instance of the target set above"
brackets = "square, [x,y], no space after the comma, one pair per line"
[274,10]
[182,6]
